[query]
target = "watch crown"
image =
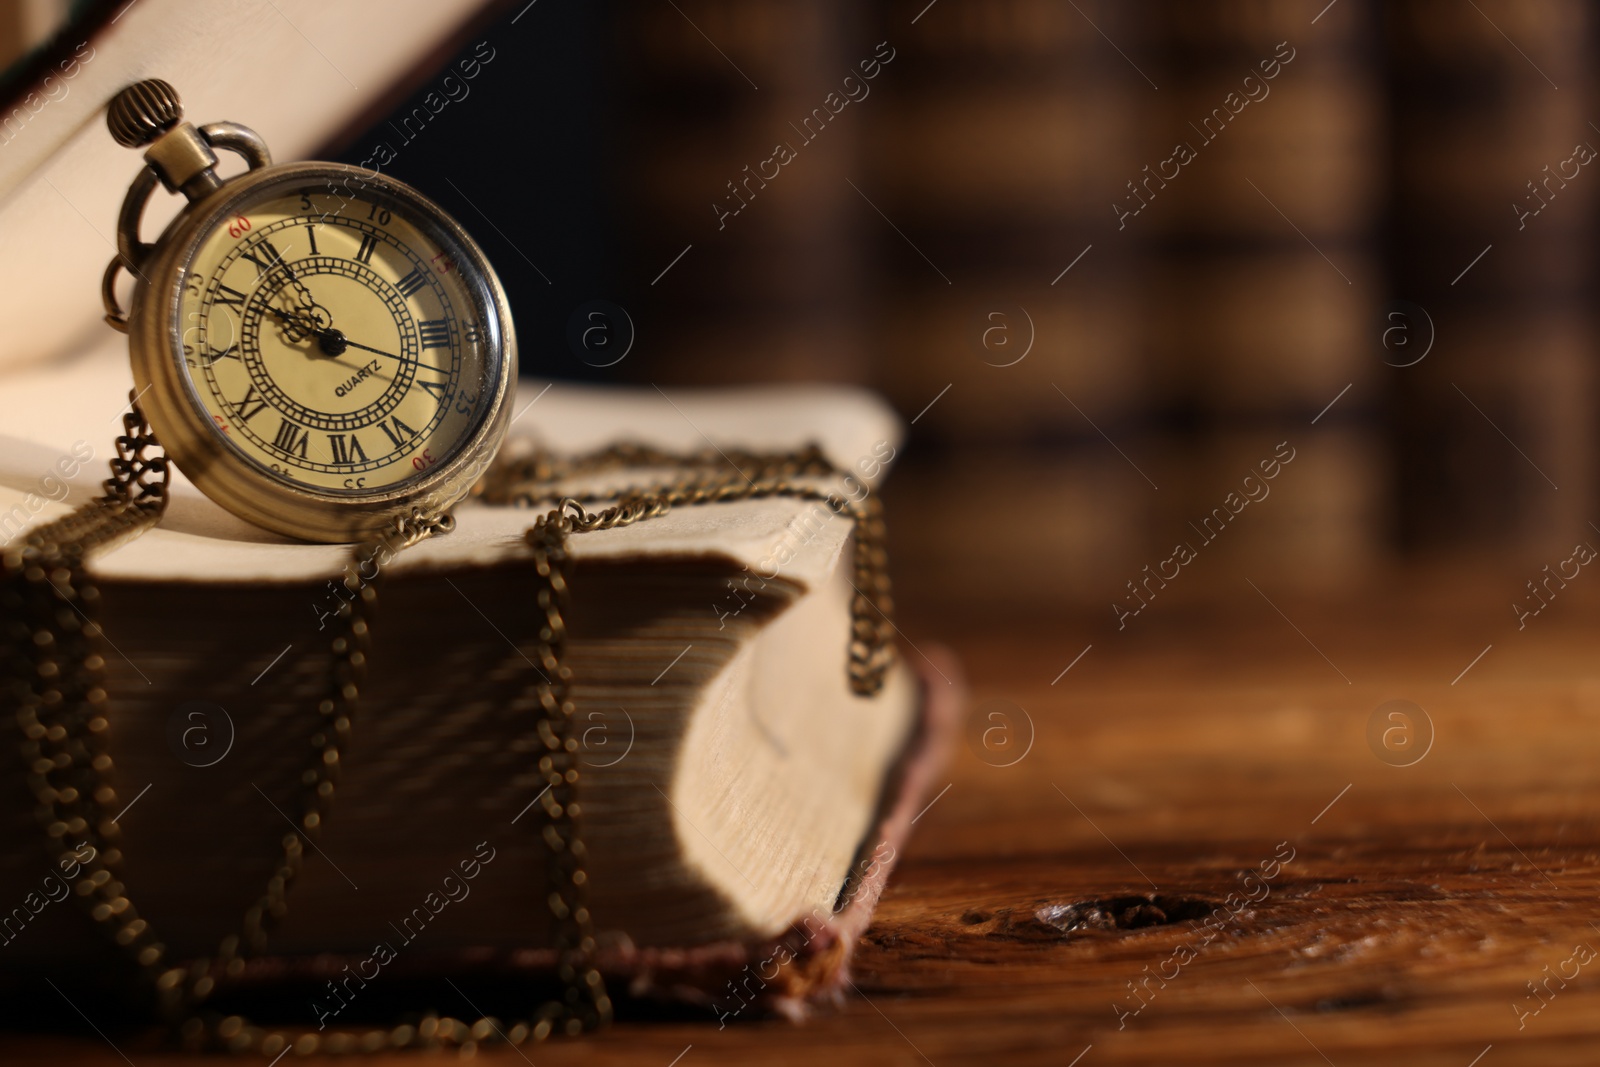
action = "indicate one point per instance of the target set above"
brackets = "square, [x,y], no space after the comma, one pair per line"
[143,112]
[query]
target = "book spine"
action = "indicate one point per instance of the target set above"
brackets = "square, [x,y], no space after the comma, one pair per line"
[1260,228]
[743,120]
[1492,223]
[1006,323]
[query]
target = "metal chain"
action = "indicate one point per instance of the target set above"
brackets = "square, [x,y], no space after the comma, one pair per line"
[57,679]
[706,478]
[585,1004]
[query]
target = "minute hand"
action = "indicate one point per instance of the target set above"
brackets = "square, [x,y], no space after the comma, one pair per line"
[377,351]
[391,355]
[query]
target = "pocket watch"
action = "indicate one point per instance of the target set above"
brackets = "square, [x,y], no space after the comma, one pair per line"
[318,347]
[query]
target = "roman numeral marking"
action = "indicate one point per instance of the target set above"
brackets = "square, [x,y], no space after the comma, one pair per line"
[411,282]
[438,389]
[251,405]
[435,333]
[311,232]
[397,432]
[346,450]
[292,439]
[231,352]
[267,258]
[228,295]
[368,244]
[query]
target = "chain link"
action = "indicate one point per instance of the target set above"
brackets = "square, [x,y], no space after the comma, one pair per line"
[706,478]
[56,678]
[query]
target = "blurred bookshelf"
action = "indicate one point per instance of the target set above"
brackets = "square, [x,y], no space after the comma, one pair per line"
[1094,337]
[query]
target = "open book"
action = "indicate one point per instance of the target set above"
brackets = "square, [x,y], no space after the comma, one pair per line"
[61,177]
[736,792]
[741,804]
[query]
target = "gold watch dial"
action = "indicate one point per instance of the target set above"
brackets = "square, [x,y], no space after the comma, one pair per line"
[335,341]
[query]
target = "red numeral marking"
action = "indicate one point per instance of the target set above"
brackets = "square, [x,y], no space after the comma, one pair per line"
[447,265]
[238,226]
[220,424]
[424,461]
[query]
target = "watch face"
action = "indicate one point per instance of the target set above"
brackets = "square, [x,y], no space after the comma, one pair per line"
[340,339]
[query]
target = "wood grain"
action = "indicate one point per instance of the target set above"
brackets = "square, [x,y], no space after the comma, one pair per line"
[1169,762]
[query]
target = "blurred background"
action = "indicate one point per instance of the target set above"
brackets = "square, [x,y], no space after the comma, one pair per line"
[1105,258]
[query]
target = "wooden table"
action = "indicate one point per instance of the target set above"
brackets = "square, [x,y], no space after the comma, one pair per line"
[1051,911]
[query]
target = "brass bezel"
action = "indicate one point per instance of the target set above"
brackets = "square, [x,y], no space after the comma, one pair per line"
[237,482]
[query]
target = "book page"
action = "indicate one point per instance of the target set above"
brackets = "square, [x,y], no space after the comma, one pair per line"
[60,423]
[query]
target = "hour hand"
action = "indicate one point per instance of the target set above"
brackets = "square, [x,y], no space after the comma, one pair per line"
[301,324]
[287,316]
[306,299]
